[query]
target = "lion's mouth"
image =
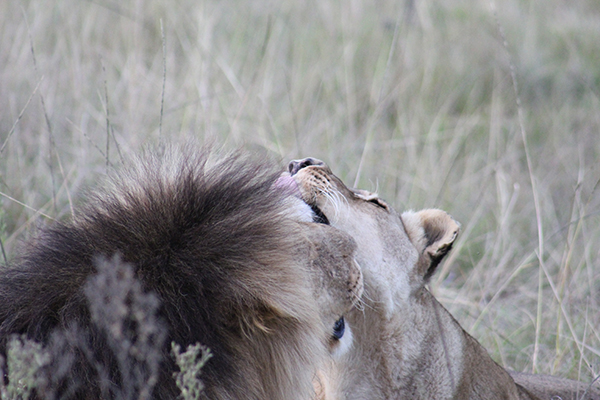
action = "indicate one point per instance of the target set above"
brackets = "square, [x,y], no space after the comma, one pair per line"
[288,184]
[319,217]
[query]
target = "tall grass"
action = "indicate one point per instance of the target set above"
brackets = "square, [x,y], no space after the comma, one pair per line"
[412,99]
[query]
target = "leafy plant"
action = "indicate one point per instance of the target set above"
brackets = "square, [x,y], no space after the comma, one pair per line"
[128,322]
[188,378]
[25,359]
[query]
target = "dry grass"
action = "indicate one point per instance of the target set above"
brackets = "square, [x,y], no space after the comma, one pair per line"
[414,99]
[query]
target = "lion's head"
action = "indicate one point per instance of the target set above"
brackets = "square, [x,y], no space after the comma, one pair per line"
[414,241]
[397,254]
[238,263]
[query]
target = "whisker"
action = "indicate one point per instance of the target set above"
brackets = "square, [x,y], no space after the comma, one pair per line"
[366,304]
[334,197]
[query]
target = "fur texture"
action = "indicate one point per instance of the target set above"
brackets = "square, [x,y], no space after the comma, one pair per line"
[234,260]
[407,345]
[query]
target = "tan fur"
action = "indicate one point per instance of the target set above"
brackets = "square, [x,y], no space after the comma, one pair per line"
[407,345]
[548,387]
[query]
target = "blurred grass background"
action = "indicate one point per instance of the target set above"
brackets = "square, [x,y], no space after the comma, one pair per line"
[413,99]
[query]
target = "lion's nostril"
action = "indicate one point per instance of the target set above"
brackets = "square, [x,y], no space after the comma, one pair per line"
[296,165]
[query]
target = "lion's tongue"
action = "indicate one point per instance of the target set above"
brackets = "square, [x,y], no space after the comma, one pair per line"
[288,184]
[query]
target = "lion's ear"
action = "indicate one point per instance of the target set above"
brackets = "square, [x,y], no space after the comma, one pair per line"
[432,232]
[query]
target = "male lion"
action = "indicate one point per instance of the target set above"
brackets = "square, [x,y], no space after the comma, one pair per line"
[237,264]
[407,345]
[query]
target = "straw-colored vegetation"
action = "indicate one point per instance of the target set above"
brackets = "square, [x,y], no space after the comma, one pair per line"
[414,99]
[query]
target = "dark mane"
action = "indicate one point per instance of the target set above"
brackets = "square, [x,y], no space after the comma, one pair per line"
[208,237]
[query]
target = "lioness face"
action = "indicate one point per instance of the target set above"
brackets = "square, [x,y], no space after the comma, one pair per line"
[395,251]
[363,215]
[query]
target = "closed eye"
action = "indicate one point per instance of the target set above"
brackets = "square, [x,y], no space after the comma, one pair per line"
[378,202]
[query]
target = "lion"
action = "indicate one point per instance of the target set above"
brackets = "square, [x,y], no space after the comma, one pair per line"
[407,345]
[237,264]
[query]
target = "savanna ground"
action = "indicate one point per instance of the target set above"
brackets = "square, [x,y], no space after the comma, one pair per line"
[414,99]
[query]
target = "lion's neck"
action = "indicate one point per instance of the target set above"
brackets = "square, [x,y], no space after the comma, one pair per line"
[420,352]
[426,352]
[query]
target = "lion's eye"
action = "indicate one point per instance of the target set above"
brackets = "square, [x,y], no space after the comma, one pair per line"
[378,202]
[339,328]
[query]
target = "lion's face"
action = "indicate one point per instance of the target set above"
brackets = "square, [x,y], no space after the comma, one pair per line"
[397,253]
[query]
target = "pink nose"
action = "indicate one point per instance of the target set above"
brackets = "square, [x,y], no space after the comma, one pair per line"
[296,165]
